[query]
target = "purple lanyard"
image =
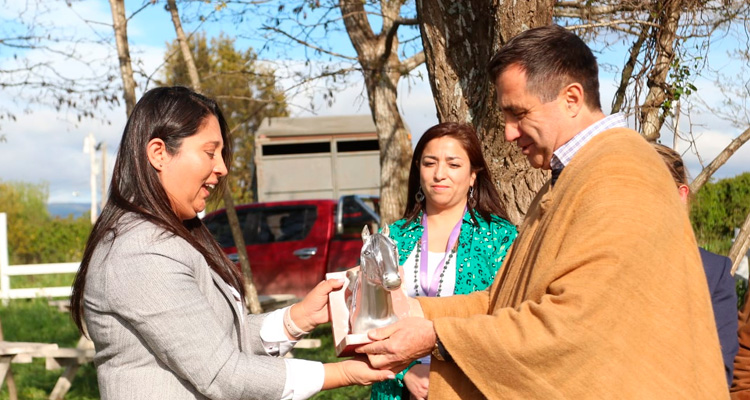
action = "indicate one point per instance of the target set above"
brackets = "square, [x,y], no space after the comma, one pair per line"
[452,239]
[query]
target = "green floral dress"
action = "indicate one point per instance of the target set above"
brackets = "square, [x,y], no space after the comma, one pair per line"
[482,247]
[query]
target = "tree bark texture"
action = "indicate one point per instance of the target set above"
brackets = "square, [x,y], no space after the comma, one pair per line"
[378,56]
[120,25]
[651,115]
[251,292]
[741,244]
[717,162]
[459,39]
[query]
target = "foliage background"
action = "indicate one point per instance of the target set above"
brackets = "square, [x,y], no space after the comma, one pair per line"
[34,236]
[246,91]
[717,209]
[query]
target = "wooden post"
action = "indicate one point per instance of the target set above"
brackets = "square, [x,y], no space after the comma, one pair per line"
[4,263]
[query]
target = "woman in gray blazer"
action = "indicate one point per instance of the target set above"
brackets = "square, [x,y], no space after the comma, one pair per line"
[162,303]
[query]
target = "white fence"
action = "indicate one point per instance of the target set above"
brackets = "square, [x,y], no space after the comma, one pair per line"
[7,270]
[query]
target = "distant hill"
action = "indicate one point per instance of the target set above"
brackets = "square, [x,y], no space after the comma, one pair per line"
[63,210]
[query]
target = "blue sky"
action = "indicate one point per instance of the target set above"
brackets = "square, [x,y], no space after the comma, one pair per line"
[43,145]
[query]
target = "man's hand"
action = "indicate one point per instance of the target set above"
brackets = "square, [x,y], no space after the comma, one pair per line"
[312,310]
[398,344]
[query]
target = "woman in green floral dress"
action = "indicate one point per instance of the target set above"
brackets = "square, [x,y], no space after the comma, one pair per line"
[454,234]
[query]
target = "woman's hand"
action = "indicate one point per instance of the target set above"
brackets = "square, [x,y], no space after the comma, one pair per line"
[417,380]
[312,310]
[355,371]
[415,309]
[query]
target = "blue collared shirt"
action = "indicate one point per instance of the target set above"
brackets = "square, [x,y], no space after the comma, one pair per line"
[562,156]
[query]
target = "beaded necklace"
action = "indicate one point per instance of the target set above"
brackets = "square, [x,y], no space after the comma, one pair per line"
[442,273]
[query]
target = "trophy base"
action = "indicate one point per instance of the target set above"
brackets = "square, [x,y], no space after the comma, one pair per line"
[345,348]
[344,342]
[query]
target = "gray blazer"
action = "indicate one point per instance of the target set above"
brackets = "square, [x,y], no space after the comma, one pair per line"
[165,325]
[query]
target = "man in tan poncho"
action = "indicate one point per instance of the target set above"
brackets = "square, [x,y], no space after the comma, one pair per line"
[603,294]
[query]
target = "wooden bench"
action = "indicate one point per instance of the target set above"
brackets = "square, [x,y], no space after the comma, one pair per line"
[18,352]
[71,360]
[55,358]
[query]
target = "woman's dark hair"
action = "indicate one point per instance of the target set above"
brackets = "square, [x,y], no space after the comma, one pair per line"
[485,193]
[552,58]
[170,114]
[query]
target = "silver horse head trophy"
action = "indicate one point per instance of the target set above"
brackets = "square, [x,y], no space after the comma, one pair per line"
[371,304]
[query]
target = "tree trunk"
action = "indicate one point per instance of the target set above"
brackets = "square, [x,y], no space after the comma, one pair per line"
[251,293]
[195,80]
[459,39]
[651,115]
[741,244]
[120,25]
[382,69]
[394,140]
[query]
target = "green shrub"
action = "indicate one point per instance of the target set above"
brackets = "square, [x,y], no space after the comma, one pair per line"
[35,237]
[719,207]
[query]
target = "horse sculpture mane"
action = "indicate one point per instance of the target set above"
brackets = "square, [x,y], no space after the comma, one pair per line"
[371,304]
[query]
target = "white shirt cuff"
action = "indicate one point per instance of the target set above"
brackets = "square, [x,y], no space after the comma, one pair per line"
[303,379]
[272,334]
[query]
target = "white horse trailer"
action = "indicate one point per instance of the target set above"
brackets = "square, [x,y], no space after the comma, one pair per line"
[317,158]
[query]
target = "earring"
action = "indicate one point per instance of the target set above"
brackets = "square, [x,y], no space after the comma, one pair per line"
[472,200]
[419,196]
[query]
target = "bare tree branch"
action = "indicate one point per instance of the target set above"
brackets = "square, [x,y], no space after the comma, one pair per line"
[408,21]
[247,98]
[584,8]
[143,7]
[627,71]
[325,74]
[412,62]
[741,244]
[310,45]
[612,23]
[722,158]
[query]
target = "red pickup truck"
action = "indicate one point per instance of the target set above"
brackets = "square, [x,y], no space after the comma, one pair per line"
[293,244]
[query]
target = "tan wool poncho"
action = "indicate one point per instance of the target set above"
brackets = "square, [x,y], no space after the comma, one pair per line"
[602,296]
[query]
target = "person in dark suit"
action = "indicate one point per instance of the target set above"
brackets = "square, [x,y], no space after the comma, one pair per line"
[718,270]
